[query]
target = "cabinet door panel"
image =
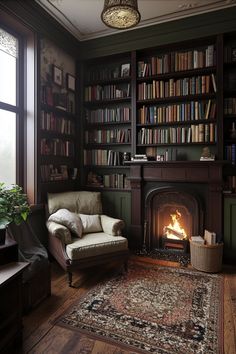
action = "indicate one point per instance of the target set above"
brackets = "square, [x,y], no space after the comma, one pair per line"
[230,230]
[118,205]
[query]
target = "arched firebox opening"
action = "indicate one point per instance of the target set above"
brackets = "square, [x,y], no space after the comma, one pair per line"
[172,216]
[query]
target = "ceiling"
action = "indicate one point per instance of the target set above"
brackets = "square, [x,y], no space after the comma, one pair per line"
[82,18]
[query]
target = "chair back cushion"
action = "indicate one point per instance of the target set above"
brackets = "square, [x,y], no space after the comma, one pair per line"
[77,202]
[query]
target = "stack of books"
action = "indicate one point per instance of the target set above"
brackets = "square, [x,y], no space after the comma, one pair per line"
[139,157]
[198,239]
[208,239]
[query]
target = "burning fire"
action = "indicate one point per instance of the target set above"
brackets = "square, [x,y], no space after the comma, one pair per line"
[174,229]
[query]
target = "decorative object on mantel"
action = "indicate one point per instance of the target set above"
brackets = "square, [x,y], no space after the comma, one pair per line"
[120,14]
[14,208]
[154,309]
[206,155]
[233,131]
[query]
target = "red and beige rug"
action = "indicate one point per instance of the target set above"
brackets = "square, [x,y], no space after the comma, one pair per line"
[154,309]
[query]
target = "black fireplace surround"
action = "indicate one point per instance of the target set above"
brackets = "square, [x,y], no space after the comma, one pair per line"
[160,204]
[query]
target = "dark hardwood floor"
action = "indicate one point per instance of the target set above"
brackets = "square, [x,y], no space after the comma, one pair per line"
[42,336]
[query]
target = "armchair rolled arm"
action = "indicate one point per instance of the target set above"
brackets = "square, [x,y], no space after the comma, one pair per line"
[112,226]
[60,231]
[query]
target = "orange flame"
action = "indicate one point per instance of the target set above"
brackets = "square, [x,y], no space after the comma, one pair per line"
[174,229]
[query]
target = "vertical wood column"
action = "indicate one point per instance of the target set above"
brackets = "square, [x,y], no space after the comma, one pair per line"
[133,101]
[219,95]
[136,231]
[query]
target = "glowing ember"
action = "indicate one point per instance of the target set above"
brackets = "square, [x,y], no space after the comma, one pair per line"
[174,229]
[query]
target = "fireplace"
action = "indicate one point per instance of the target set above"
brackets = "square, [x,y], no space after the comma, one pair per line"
[160,189]
[171,216]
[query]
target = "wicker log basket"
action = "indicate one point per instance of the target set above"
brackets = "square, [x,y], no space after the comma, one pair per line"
[206,258]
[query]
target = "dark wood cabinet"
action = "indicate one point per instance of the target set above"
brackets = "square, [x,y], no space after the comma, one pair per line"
[8,252]
[11,306]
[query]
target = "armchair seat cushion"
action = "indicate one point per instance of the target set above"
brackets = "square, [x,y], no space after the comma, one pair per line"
[95,244]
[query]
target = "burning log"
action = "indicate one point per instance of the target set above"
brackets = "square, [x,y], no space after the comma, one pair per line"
[168,230]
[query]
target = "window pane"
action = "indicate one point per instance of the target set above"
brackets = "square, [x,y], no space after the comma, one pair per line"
[7,147]
[8,60]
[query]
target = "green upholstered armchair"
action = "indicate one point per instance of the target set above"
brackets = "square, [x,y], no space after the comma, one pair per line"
[80,235]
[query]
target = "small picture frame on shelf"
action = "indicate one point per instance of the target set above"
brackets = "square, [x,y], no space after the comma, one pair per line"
[125,70]
[70,82]
[233,54]
[57,75]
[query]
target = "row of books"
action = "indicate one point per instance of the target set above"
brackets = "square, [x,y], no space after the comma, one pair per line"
[60,100]
[199,133]
[106,92]
[56,147]
[177,61]
[50,122]
[100,157]
[107,136]
[109,115]
[230,105]
[230,153]
[177,87]
[181,112]
[230,54]
[108,73]
[53,173]
[116,180]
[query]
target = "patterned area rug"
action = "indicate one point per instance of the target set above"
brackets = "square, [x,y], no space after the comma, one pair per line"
[154,310]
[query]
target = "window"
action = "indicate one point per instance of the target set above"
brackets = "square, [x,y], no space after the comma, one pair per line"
[11,117]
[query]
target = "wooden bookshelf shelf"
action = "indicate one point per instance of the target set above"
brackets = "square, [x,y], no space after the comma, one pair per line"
[179,74]
[106,102]
[117,167]
[98,125]
[189,122]
[54,135]
[100,188]
[57,111]
[93,145]
[109,81]
[176,144]
[177,99]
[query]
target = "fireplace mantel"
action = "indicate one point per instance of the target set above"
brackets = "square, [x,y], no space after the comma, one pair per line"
[203,173]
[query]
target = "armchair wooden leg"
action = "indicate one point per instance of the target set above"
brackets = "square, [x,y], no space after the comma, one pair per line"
[69,278]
